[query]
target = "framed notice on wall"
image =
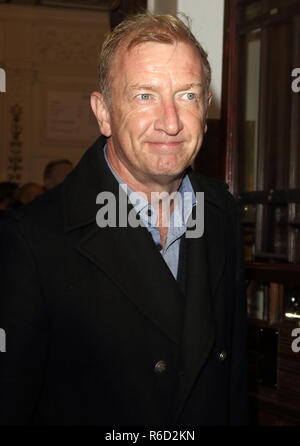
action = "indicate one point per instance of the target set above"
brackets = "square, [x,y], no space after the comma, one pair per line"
[69,117]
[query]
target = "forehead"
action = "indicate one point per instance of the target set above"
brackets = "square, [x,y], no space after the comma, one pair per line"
[155,58]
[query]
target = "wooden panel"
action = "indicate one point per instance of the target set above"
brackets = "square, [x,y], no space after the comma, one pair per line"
[125,8]
[267,416]
[230,98]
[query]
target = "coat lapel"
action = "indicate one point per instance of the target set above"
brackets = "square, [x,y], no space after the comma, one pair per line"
[128,256]
[205,267]
[131,260]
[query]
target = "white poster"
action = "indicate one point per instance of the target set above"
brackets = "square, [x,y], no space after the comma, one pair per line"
[70,117]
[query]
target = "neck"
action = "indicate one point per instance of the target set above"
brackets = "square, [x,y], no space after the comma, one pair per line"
[146,185]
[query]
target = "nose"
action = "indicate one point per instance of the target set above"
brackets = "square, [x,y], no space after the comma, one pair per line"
[168,120]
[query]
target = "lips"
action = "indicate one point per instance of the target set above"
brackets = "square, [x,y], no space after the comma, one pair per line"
[162,144]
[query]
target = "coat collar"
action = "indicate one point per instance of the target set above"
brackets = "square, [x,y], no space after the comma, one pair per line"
[81,187]
[92,175]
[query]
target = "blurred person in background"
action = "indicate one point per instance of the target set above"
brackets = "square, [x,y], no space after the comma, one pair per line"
[56,171]
[8,191]
[29,192]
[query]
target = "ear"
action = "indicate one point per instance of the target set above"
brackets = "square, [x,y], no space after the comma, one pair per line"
[101,112]
[209,99]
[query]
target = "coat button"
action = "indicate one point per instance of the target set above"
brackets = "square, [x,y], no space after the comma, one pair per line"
[223,355]
[160,367]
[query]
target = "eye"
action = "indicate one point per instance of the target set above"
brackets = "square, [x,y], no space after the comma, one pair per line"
[143,96]
[190,96]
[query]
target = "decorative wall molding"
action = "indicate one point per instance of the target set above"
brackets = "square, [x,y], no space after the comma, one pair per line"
[20,76]
[66,46]
[15,158]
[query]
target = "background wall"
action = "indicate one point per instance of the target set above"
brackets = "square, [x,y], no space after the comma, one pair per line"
[50,57]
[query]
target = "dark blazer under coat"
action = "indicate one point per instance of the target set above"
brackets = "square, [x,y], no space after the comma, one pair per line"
[89,312]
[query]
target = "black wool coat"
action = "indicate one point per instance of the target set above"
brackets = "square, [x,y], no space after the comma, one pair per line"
[98,332]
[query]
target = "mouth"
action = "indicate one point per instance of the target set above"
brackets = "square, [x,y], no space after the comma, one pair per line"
[165,145]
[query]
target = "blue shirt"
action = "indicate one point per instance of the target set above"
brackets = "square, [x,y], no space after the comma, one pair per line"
[178,220]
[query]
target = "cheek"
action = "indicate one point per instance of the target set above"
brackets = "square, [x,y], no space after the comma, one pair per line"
[133,123]
[193,123]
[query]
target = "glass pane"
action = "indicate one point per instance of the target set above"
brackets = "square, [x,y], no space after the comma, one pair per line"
[248,221]
[258,8]
[280,230]
[274,239]
[262,348]
[292,302]
[295,118]
[275,112]
[258,300]
[253,10]
[273,7]
[297,214]
[250,114]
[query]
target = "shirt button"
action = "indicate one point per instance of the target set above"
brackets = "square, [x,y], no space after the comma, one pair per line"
[160,367]
[223,355]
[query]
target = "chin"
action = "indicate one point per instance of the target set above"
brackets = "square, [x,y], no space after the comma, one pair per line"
[174,170]
[170,167]
[170,173]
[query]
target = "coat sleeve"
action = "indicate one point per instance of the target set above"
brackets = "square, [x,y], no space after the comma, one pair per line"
[239,366]
[23,320]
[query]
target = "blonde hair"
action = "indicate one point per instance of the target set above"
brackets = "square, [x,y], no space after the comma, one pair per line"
[147,27]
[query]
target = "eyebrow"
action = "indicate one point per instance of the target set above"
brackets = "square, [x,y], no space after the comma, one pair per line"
[151,87]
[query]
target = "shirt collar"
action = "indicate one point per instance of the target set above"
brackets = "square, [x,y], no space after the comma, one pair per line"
[177,219]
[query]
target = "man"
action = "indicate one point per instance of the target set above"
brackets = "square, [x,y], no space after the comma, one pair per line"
[29,192]
[129,324]
[55,172]
[8,192]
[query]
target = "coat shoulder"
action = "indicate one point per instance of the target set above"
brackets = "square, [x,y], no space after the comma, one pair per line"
[215,191]
[36,217]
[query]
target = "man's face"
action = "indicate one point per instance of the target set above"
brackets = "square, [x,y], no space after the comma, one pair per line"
[156,121]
